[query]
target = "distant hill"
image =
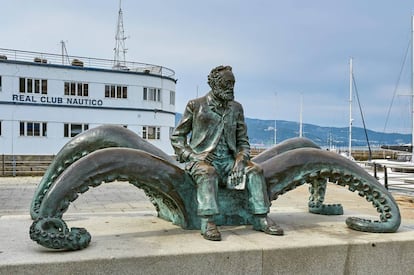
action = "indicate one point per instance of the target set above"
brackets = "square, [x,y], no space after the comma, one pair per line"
[261,134]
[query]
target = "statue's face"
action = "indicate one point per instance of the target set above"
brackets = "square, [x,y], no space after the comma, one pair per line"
[224,89]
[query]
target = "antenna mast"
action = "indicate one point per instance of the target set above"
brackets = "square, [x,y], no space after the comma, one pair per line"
[120,50]
[64,52]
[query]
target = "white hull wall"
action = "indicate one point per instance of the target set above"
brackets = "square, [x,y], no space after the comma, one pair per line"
[54,109]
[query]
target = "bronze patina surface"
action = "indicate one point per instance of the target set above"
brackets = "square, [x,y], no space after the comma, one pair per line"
[220,184]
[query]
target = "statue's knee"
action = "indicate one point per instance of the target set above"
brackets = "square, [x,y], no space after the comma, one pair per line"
[211,171]
[204,172]
[208,171]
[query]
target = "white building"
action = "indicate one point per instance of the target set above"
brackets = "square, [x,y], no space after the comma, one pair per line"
[45,99]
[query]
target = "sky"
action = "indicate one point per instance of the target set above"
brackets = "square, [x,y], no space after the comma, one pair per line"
[280,51]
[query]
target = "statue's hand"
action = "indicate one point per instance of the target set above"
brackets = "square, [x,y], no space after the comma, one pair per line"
[239,165]
[238,171]
[197,157]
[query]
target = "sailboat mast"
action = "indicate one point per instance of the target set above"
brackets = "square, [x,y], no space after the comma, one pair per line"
[412,89]
[301,117]
[275,121]
[350,107]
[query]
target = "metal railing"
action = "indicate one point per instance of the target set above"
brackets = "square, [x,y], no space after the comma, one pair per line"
[80,61]
[398,178]
[15,165]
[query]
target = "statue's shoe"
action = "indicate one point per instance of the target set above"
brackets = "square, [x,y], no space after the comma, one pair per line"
[267,226]
[211,232]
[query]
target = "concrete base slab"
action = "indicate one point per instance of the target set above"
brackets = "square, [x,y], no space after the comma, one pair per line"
[137,242]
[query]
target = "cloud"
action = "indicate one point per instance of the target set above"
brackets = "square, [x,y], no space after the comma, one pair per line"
[283,47]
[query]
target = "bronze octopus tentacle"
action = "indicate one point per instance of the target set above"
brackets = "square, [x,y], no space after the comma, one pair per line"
[83,144]
[291,169]
[104,165]
[287,145]
[316,189]
[86,161]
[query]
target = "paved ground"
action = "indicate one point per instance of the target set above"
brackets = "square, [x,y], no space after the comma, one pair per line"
[127,238]
[16,194]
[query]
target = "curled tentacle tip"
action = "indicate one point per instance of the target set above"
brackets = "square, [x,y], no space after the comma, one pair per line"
[326,209]
[366,225]
[53,233]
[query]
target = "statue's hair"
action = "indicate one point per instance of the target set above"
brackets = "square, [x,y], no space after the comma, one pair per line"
[215,75]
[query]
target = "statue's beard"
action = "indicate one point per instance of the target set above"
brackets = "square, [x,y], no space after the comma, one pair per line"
[224,95]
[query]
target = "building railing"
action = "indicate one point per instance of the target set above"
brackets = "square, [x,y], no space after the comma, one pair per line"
[19,165]
[87,62]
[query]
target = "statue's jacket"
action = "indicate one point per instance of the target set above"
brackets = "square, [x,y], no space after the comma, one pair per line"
[204,125]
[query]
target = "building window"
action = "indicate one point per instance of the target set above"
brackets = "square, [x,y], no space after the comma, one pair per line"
[76,89]
[152,94]
[151,132]
[44,86]
[72,129]
[172,97]
[30,85]
[114,91]
[37,86]
[33,129]
[73,88]
[22,85]
[0,83]
[0,128]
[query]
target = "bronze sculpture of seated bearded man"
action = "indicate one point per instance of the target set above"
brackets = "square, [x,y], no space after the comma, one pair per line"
[218,154]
